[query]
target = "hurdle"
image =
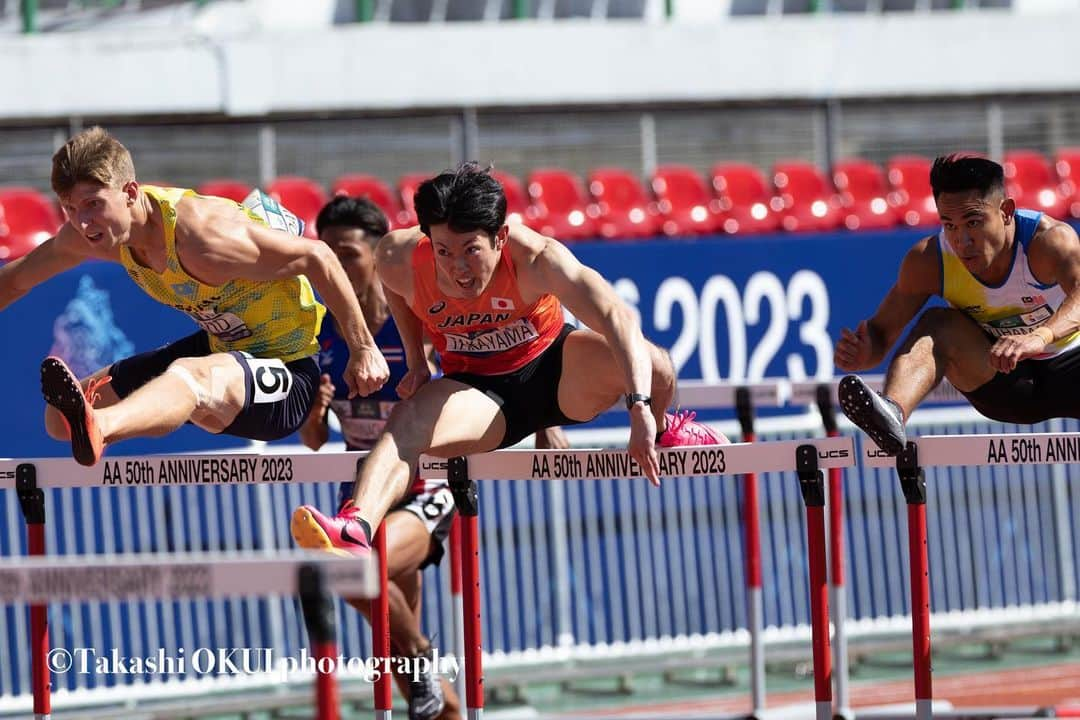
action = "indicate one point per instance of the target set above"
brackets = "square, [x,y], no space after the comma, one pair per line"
[823,395]
[312,576]
[807,458]
[28,477]
[953,450]
[745,398]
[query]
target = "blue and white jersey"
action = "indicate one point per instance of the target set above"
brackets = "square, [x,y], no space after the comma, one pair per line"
[362,418]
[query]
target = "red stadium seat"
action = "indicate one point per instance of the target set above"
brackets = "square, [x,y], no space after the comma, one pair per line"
[625,210]
[1030,181]
[809,200]
[301,195]
[909,178]
[687,206]
[518,208]
[375,190]
[746,201]
[1067,163]
[868,204]
[563,210]
[407,185]
[27,219]
[225,188]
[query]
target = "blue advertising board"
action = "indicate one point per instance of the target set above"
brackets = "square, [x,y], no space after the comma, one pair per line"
[727,309]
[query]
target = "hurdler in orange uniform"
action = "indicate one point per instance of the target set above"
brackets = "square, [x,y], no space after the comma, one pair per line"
[495,333]
[490,296]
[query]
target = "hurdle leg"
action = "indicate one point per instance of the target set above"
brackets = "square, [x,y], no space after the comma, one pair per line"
[812,484]
[32,502]
[838,594]
[754,603]
[380,632]
[319,619]
[455,595]
[465,498]
[913,483]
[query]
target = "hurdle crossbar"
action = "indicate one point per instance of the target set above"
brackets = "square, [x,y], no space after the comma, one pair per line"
[691,461]
[993,449]
[988,449]
[73,578]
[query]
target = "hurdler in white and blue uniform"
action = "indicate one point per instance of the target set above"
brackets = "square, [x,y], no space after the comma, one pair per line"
[1009,339]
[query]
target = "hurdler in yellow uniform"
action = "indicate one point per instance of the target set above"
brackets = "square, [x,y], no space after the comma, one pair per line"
[240,271]
[276,319]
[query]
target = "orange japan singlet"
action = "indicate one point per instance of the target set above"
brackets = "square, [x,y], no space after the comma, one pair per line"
[493,334]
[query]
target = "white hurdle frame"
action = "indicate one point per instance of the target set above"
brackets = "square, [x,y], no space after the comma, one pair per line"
[823,394]
[41,580]
[995,449]
[806,457]
[28,477]
[745,399]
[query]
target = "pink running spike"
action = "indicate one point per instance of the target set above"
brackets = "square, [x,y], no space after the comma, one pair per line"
[341,534]
[682,430]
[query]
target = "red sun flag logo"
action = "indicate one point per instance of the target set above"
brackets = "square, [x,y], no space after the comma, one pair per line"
[498,303]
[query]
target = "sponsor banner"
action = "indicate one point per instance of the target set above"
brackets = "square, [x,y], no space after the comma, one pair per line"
[997,449]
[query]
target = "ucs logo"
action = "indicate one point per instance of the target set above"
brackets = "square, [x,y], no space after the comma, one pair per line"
[833,454]
[876,453]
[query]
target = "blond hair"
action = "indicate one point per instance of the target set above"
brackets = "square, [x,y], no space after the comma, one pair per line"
[91,156]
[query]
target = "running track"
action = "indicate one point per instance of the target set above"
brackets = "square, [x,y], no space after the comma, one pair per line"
[1053,685]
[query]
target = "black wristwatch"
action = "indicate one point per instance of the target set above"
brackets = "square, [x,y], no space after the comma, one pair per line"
[633,398]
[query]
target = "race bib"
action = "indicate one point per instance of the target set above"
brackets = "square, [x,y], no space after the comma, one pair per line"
[362,419]
[1019,324]
[484,342]
[224,326]
[272,380]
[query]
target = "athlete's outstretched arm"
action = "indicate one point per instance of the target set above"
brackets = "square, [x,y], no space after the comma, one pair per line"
[48,259]
[393,262]
[592,300]
[226,245]
[918,279]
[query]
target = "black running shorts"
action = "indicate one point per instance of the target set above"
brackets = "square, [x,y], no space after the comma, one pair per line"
[278,395]
[1036,390]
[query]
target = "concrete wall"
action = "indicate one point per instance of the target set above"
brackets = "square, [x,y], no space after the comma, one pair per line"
[382,66]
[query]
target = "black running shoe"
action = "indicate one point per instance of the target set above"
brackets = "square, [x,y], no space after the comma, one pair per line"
[877,416]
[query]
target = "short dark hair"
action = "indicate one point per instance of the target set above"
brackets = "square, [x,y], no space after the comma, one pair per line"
[962,173]
[465,199]
[352,212]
